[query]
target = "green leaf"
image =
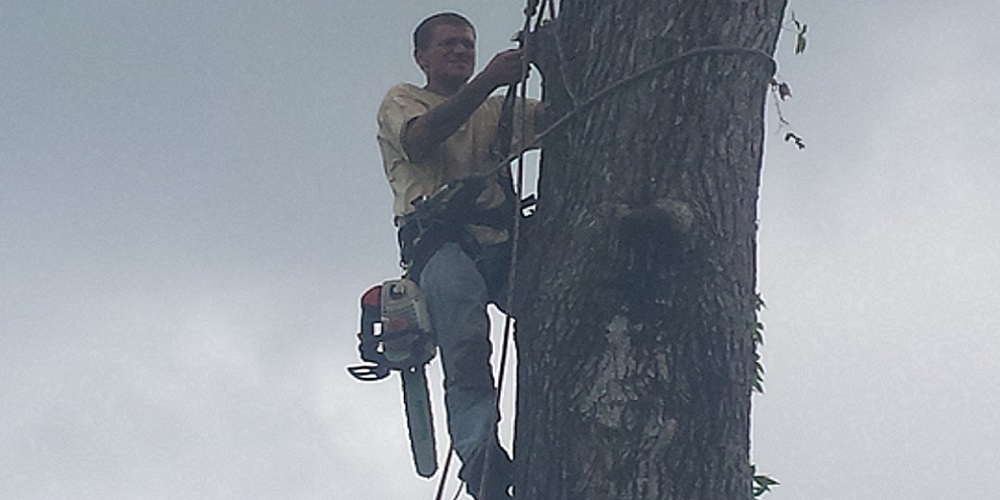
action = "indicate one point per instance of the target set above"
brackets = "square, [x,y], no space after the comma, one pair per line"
[758,339]
[765,481]
[758,378]
[800,41]
[761,484]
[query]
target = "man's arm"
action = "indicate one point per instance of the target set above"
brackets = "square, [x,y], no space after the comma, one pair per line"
[422,134]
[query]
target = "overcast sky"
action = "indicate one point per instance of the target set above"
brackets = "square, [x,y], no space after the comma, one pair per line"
[191,203]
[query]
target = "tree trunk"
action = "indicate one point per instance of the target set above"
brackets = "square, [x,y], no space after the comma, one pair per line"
[636,276]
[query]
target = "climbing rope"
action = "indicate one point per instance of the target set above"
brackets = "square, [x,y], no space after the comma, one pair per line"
[531,10]
[505,133]
[617,85]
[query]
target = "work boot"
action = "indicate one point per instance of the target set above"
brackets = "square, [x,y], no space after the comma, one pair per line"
[500,474]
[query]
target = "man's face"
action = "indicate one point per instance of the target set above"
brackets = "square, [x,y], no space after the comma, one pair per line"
[451,54]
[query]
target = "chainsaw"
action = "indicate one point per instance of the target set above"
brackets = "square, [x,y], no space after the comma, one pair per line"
[396,336]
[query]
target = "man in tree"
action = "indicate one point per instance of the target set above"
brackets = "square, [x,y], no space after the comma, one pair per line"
[430,137]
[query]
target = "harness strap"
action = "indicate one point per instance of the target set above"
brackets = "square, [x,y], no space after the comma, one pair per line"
[446,219]
[419,242]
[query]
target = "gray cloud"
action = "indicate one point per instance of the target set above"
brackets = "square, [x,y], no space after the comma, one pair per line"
[191,204]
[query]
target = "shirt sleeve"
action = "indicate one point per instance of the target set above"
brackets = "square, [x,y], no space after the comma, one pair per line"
[398,108]
[408,181]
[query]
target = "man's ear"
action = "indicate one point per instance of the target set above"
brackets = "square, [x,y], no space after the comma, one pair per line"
[418,56]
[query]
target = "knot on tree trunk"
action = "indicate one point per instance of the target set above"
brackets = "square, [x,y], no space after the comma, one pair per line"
[665,215]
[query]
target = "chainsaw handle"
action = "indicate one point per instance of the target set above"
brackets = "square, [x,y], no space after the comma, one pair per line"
[368,373]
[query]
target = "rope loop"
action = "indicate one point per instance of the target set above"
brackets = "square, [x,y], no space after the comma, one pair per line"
[630,79]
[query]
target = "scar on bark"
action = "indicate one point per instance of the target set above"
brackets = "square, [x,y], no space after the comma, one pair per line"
[666,216]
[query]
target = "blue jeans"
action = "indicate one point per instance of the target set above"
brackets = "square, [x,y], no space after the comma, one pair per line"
[457,295]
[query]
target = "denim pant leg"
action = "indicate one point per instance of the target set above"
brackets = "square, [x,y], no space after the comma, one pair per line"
[456,298]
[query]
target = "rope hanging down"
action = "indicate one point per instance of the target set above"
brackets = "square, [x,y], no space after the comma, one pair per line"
[505,134]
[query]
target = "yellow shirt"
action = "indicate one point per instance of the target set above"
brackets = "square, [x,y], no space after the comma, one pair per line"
[470,150]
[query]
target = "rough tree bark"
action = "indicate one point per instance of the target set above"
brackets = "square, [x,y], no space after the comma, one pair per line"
[637,273]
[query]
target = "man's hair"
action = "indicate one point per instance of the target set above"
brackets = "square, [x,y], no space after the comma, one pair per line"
[425,30]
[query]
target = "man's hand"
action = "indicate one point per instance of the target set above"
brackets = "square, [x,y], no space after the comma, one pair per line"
[429,130]
[505,68]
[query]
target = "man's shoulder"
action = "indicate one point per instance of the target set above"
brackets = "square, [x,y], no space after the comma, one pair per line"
[407,96]
[407,90]
[402,88]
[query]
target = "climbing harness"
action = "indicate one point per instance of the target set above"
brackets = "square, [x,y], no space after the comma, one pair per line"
[446,217]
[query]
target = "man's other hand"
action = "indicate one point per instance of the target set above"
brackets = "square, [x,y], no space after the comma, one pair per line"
[505,68]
